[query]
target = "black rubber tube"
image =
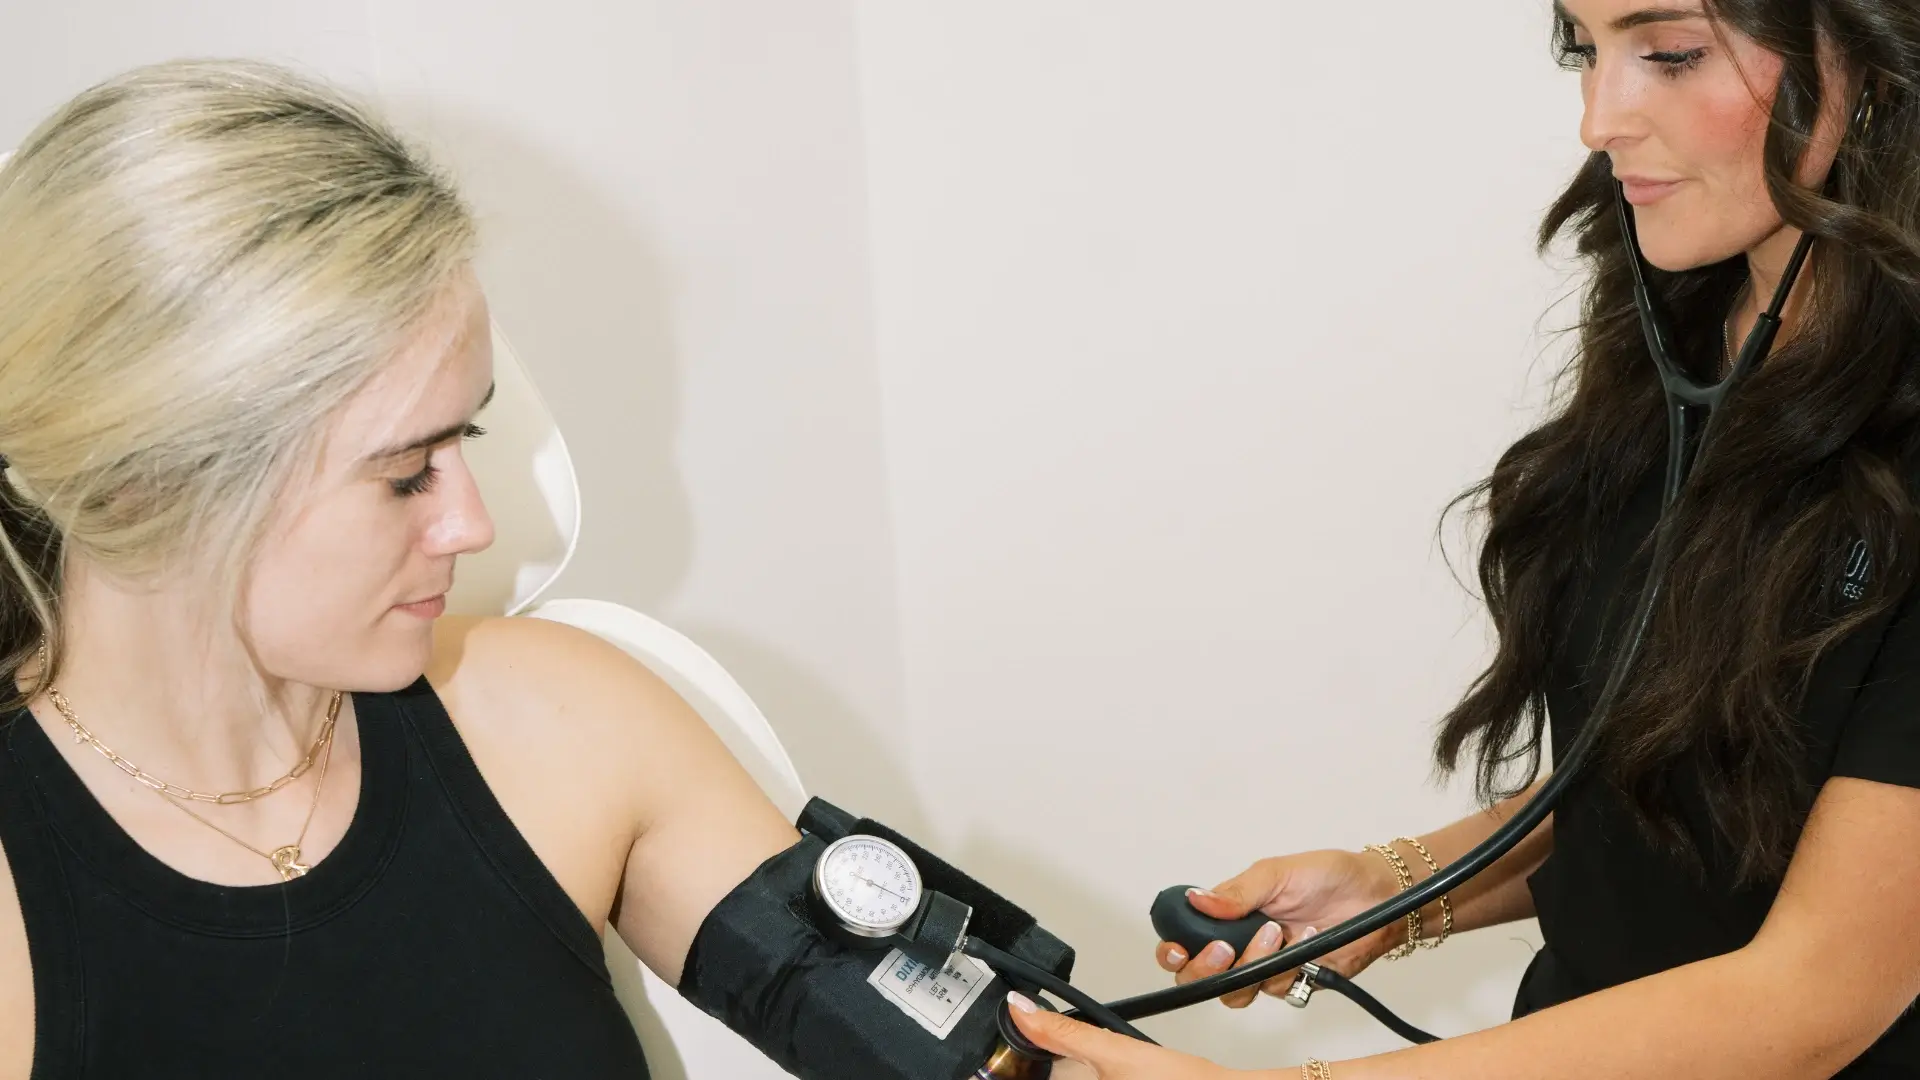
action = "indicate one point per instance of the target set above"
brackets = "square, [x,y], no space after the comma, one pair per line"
[1084,1005]
[1329,979]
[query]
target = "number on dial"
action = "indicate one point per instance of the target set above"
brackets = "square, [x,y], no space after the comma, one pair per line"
[869,883]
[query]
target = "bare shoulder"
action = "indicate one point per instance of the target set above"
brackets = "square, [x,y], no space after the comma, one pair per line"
[548,703]
[16,983]
[514,671]
[572,725]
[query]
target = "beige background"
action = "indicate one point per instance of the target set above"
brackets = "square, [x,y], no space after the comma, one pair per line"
[1044,407]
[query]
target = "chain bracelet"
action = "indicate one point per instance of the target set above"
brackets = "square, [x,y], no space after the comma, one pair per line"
[1446,899]
[1405,876]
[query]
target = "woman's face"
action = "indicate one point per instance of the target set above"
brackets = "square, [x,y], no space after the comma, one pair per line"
[351,576]
[1682,106]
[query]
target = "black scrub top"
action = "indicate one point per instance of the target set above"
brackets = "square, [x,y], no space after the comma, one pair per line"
[1613,907]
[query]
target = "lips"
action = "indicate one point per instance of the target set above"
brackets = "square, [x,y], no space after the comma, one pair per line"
[1646,190]
[429,608]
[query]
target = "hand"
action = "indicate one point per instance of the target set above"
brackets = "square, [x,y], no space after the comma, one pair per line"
[1103,1055]
[1302,894]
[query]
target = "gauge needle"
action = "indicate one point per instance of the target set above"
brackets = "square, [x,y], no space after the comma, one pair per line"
[881,887]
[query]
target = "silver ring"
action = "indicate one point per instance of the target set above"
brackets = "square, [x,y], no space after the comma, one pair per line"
[1302,989]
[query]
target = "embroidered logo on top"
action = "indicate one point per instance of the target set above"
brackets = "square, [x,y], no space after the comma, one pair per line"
[1859,571]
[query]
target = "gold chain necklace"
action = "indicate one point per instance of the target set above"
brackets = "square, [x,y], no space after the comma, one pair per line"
[225,798]
[285,859]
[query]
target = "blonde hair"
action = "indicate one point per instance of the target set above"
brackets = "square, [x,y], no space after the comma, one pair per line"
[200,262]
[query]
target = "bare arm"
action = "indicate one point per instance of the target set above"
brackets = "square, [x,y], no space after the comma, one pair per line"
[701,833]
[16,983]
[1498,895]
[624,792]
[1320,889]
[1834,965]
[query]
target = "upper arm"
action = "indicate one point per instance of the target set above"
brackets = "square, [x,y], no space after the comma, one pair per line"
[1846,923]
[16,983]
[1848,911]
[703,829]
[621,773]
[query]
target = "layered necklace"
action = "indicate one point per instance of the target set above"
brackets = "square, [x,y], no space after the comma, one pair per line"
[287,858]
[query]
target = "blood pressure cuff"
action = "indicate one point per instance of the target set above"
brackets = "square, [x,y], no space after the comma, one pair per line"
[763,967]
[996,920]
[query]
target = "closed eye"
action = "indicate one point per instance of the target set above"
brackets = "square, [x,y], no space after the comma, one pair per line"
[1675,63]
[422,482]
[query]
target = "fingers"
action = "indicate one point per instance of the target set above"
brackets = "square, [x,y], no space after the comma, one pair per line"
[1232,899]
[1265,944]
[1283,982]
[1239,896]
[1218,957]
[1212,960]
[1171,957]
[1071,1039]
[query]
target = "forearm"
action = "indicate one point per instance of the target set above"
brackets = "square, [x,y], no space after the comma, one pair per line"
[1720,1019]
[1497,895]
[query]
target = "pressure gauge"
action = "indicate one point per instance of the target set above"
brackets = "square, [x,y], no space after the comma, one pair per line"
[869,886]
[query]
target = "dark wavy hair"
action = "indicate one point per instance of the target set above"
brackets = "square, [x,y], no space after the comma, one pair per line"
[1815,454]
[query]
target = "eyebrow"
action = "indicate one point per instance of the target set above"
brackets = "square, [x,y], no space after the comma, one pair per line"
[1633,19]
[434,438]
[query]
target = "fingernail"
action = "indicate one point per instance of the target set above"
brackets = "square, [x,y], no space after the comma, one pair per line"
[1219,952]
[1307,933]
[1176,956]
[1208,893]
[1022,1002]
[1269,936]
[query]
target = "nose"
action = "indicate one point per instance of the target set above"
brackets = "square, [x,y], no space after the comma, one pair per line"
[462,525]
[1613,117]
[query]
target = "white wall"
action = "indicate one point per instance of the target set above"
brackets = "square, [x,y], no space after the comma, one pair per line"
[1191,318]
[1043,406]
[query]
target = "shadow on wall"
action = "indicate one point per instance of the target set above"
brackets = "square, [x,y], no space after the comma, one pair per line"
[579,289]
[841,756]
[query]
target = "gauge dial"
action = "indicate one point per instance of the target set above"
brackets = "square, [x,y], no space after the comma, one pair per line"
[869,885]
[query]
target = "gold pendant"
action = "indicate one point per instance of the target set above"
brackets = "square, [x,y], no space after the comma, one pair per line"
[287,861]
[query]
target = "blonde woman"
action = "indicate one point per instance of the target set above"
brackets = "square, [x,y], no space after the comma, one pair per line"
[262,811]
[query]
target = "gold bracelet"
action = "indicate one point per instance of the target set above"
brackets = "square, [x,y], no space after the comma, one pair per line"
[1446,900]
[1315,1069]
[1405,877]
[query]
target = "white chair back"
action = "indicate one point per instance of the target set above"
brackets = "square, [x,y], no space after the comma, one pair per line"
[526,477]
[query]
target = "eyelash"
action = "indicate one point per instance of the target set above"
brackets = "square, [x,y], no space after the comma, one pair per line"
[422,482]
[1672,64]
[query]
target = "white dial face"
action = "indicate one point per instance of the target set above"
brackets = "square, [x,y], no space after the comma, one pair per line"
[869,883]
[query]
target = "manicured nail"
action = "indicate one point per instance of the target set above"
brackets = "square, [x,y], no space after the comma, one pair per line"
[1268,937]
[1022,1002]
[1219,952]
[1176,955]
[1307,933]
[1208,893]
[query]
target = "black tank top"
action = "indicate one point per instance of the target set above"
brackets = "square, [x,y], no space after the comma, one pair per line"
[430,942]
[1614,907]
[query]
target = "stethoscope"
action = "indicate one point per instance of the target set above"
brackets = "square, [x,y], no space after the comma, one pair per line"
[1694,413]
